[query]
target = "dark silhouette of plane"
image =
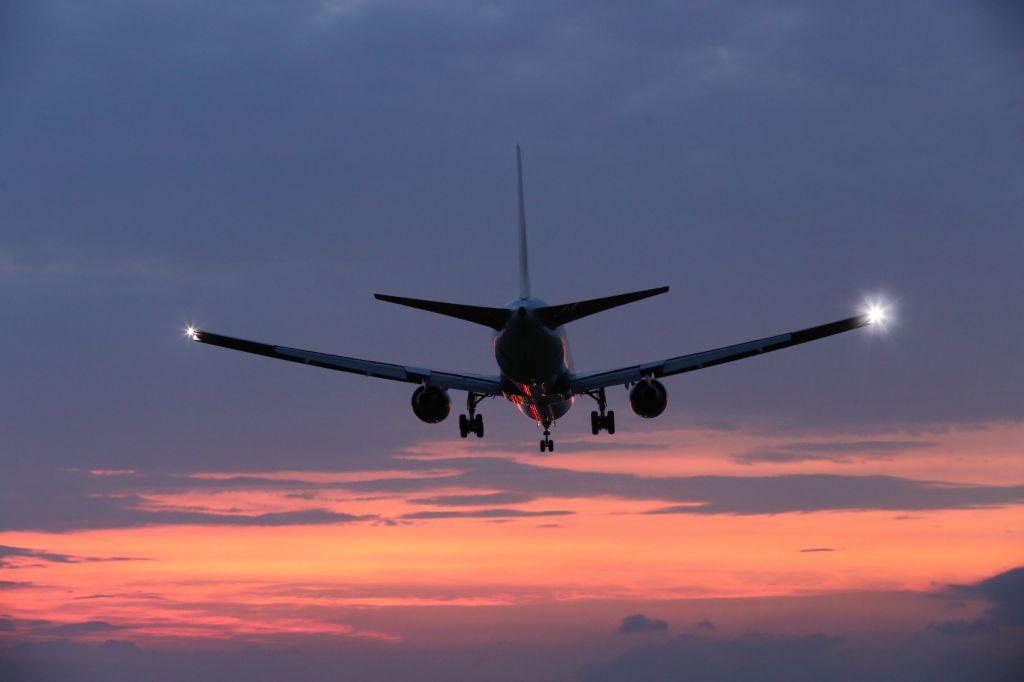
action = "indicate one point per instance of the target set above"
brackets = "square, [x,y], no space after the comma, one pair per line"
[532,353]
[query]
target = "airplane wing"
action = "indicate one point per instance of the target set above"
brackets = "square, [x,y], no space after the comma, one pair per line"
[581,383]
[481,385]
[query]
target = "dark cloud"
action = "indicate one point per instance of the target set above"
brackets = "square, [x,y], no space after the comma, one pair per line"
[690,657]
[54,557]
[122,595]
[817,549]
[14,585]
[1005,593]
[782,658]
[485,514]
[303,517]
[88,501]
[320,659]
[76,629]
[8,551]
[821,492]
[775,457]
[711,494]
[639,624]
[859,446]
[118,501]
[705,625]
[963,628]
[472,500]
[840,452]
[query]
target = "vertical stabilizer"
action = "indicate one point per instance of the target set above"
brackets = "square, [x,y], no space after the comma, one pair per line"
[524,264]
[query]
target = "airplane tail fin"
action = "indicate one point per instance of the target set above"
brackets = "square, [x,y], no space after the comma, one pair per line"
[524,264]
[557,315]
[495,318]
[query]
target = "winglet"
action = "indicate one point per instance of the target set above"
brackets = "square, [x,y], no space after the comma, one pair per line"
[524,265]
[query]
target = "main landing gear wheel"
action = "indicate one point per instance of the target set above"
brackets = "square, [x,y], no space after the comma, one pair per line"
[599,422]
[473,423]
[599,419]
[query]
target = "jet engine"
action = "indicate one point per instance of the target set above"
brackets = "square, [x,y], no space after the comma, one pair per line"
[431,404]
[648,399]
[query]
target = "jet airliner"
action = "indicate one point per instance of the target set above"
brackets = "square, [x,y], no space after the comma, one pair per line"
[532,354]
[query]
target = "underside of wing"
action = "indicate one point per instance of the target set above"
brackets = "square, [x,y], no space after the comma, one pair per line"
[482,385]
[581,383]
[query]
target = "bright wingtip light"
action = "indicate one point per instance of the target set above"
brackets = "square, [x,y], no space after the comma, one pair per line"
[875,314]
[192,333]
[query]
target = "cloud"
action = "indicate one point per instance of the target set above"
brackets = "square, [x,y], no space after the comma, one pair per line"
[88,501]
[817,549]
[963,628]
[53,557]
[783,658]
[1005,593]
[640,624]
[76,629]
[749,657]
[776,457]
[292,518]
[825,492]
[473,500]
[705,625]
[9,551]
[835,451]
[711,494]
[485,514]
[14,585]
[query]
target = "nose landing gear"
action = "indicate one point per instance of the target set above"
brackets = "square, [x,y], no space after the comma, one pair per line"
[547,444]
[601,420]
[472,423]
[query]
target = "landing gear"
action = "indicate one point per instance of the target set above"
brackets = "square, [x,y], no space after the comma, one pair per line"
[547,443]
[601,420]
[473,423]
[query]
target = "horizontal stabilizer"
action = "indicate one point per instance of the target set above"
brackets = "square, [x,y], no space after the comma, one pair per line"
[495,318]
[557,315]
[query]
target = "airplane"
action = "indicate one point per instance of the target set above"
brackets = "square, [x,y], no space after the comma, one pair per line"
[532,353]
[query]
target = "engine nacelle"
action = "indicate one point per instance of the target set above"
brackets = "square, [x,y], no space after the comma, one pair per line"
[648,399]
[431,404]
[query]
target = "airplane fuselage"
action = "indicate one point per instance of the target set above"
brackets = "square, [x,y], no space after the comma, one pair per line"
[535,363]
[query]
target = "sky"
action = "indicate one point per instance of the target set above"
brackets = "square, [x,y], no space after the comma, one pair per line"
[850,509]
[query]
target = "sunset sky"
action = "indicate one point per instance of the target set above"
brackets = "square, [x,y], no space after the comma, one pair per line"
[850,509]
